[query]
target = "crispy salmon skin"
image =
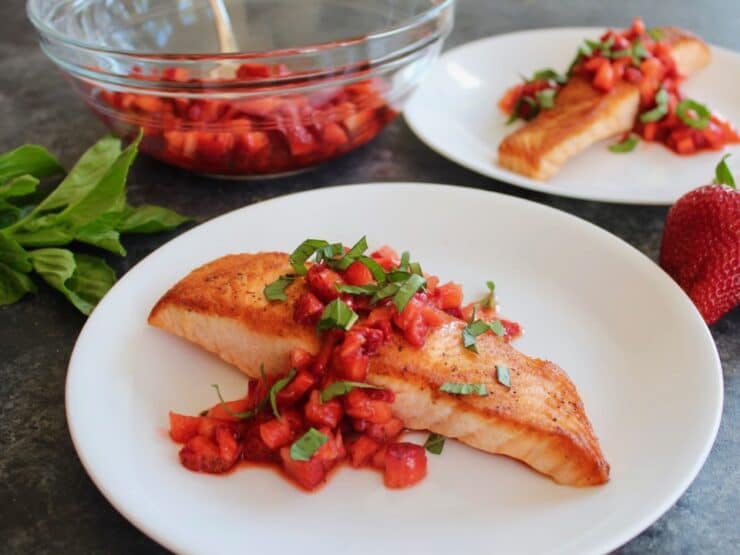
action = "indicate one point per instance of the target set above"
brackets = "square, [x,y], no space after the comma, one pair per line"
[540,420]
[583,115]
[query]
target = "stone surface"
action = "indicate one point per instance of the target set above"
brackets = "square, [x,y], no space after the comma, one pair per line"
[47,502]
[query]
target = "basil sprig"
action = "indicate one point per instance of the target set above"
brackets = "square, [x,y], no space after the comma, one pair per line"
[357,289]
[88,206]
[489,301]
[352,254]
[435,443]
[479,327]
[337,389]
[479,389]
[693,113]
[337,314]
[275,291]
[722,174]
[660,110]
[627,144]
[407,290]
[305,447]
[277,387]
[246,415]
[303,252]
[503,376]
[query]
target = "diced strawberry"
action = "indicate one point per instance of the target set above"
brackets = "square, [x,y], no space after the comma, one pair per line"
[276,433]
[298,386]
[254,449]
[308,474]
[383,433]
[183,427]
[379,458]
[604,78]
[360,406]
[322,282]
[225,410]
[449,295]
[405,465]
[323,414]
[300,359]
[308,309]
[362,450]
[333,451]
[386,257]
[201,454]
[358,274]
[350,360]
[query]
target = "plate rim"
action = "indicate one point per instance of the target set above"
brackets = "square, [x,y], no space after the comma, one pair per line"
[507,177]
[616,539]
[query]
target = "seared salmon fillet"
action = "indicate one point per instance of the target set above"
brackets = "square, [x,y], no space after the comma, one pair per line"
[540,420]
[583,116]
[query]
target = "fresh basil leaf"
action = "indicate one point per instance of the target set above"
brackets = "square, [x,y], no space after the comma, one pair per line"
[107,195]
[549,74]
[20,186]
[655,33]
[83,279]
[395,276]
[303,252]
[639,52]
[693,113]
[435,443]
[277,387]
[357,250]
[9,213]
[337,314]
[101,233]
[375,268]
[625,53]
[465,388]
[385,292]
[405,259]
[44,237]
[329,252]
[407,290]
[546,98]
[14,256]
[489,301]
[275,291]
[593,45]
[342,388]
[150,219]
[471,332]
[660,110]
[586,49]
[497,327]
[310,442]
[34,160]
[722,174]
[503,376]
[240,415]
[84,176]
[357,289]
[14,285]
[415,268]
[627,144]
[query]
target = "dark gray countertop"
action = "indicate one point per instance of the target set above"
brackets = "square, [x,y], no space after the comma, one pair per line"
[47,502]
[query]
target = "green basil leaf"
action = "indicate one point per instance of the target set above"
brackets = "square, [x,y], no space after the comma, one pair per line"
[395,276]
[592,45]
[14,285]
[405,259]
[415,268]
[9,213]
[625,53]
[435,443]
[14,256]
[517,113]
[84,176]
[240,415]
[655,33]
[329,252]
[357,250]
[337,314]
[385,292]
[503,376]
[546,98]
[548,74]
[275,291]
[150,219]
[375,268]
[34,160]
[660,110]
[693,114]
[471,332]
[277,387]
[407,290]
[465,388]
[586,49]
[357,289]
[497,327]
[489,301]
[337,389]
[20,186]
[45,237]
[722,174]
[303,252]
[639,53]
[101,233]
[627,144]
[310,442]
[83,279]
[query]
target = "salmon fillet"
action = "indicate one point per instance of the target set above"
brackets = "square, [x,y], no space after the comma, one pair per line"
[540,420]
[583,116]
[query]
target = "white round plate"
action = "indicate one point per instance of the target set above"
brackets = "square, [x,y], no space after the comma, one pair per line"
[636,348]
[455,113]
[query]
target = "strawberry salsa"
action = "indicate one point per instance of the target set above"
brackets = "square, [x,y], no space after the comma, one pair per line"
[643,58]
[322,411]
[266,134]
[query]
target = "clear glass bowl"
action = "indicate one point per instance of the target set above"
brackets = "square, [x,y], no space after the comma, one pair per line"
[308,80]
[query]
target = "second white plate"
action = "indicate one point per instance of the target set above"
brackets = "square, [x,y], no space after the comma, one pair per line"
[455,113]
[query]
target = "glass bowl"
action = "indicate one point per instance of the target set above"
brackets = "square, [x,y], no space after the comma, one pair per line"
[304,82]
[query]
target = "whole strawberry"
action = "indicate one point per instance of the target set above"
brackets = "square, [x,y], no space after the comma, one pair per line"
[701,245]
